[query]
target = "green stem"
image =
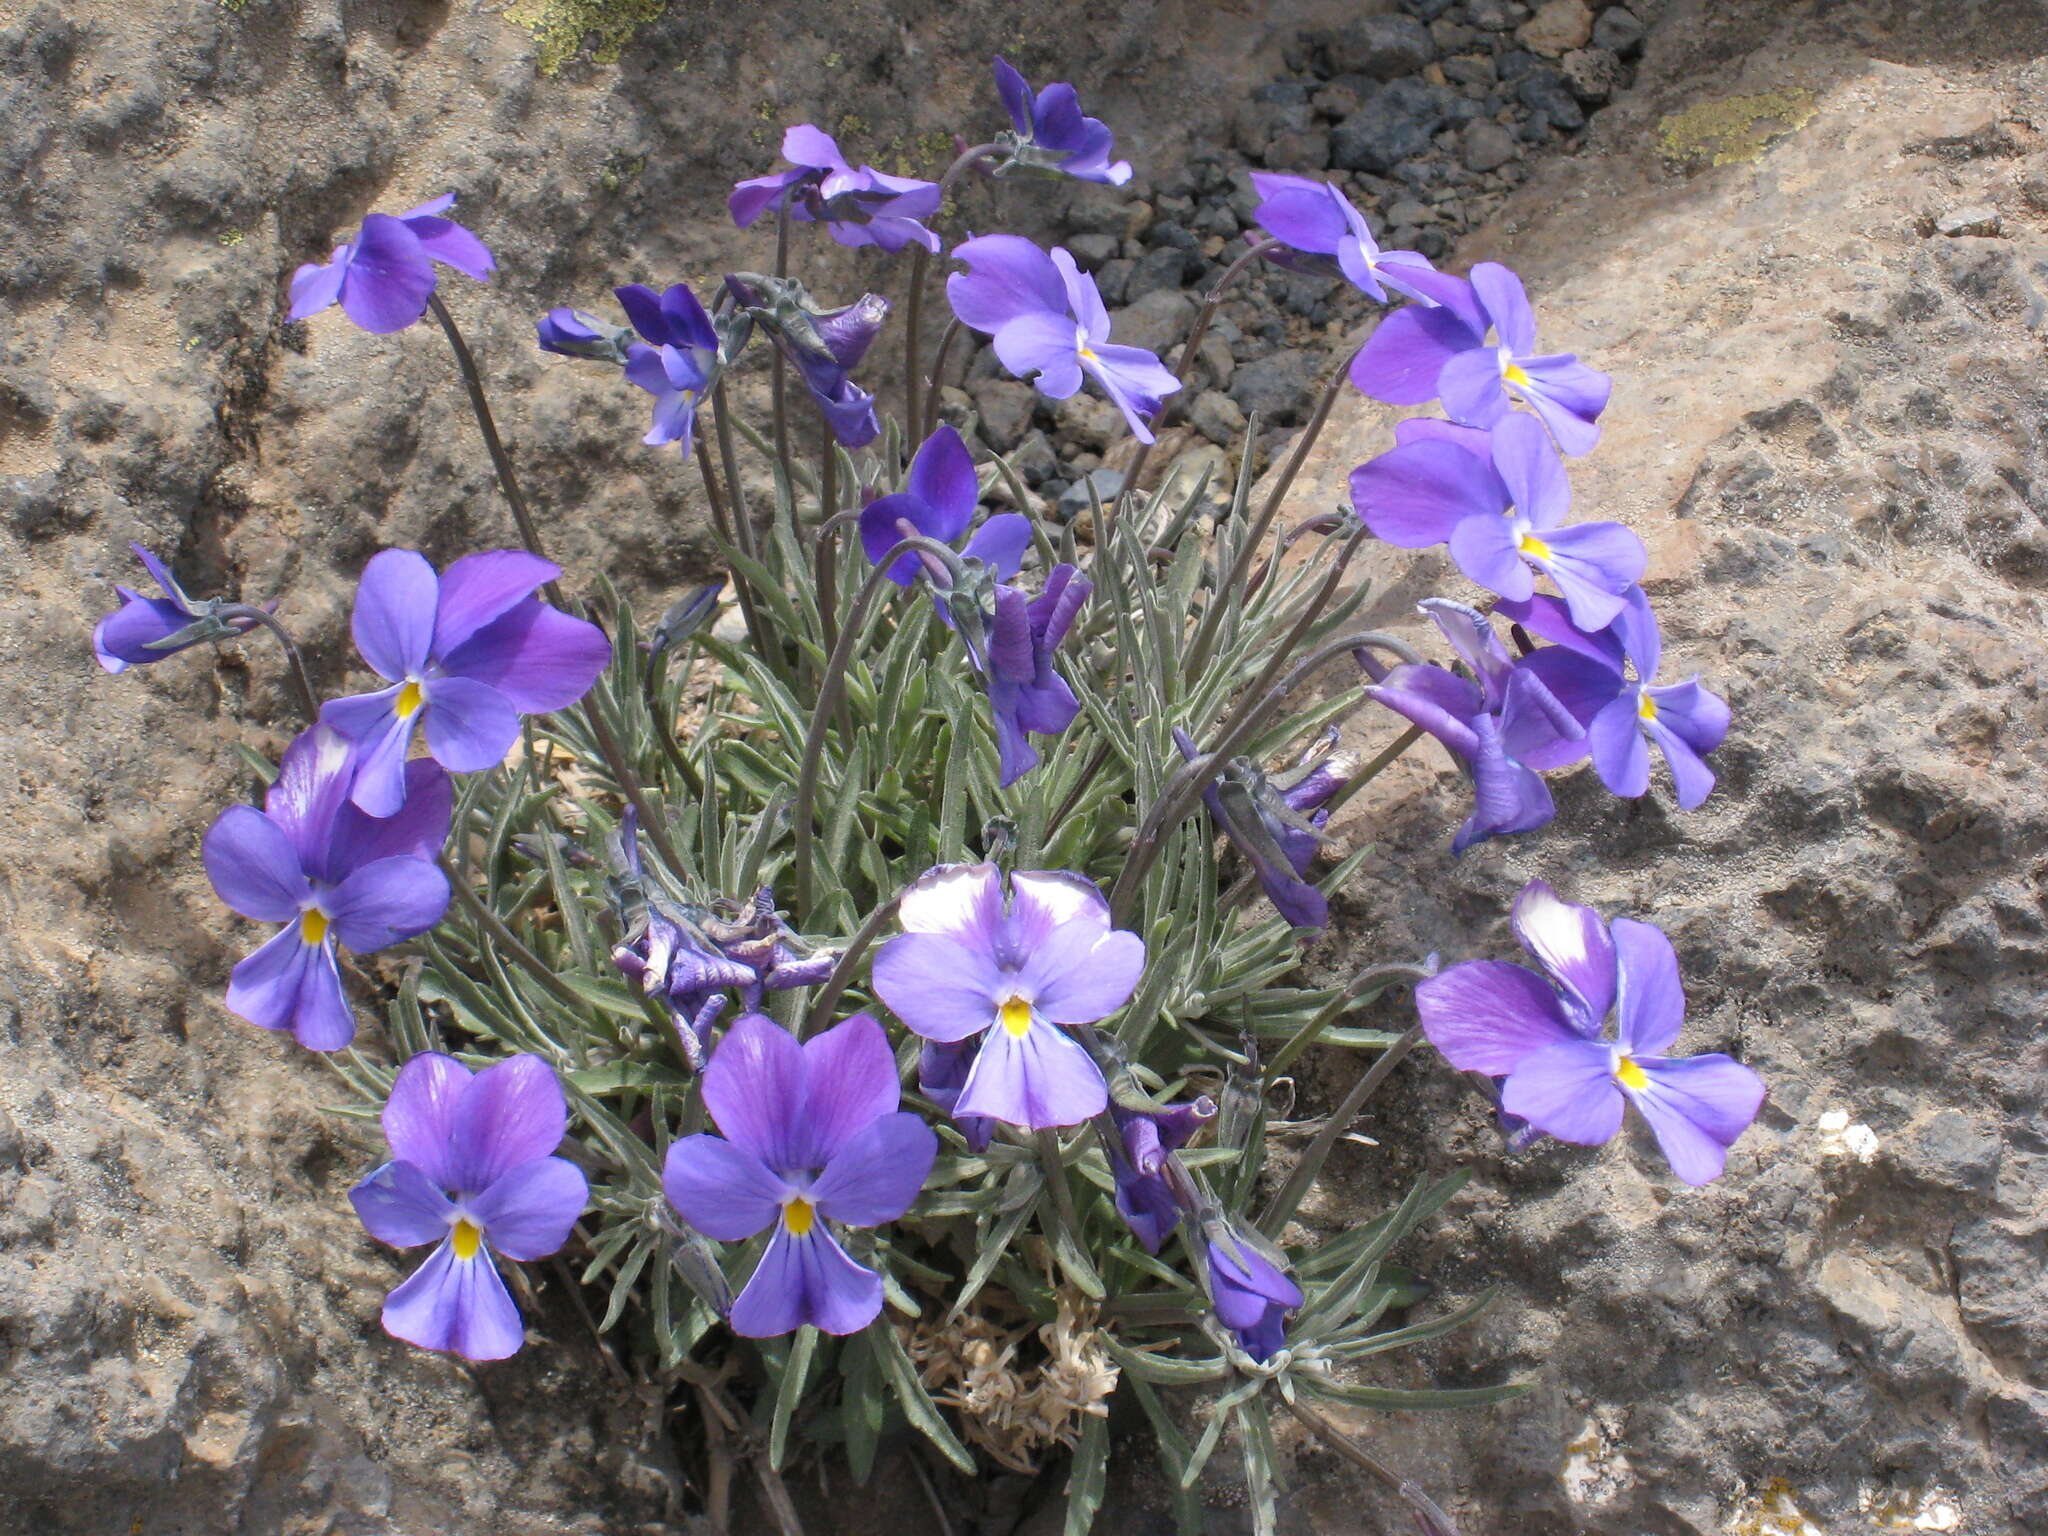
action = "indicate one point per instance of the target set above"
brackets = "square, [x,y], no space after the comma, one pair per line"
[1310,1163]
[239,612]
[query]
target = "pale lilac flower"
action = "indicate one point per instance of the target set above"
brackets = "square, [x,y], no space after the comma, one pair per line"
[678,362]
[1046,318]
[472,1171]
[1327,235]
[938,501]
[811,1134]
[1145,1197]
[147,629]
[1419,355]
[1503,519]
[467,653]
[857,207]
[331,875]
[1052,125]
[1249,1285]
[1623,714]
[384,276]
[969,963]
[1544,1033]
[1501,727]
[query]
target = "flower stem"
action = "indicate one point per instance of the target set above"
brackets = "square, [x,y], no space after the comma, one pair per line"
[1310,1163]
[1373,980]
[938,378]
[473,382]
[781,367]
[849,960]
[913,307]
[727,530]
[303,685]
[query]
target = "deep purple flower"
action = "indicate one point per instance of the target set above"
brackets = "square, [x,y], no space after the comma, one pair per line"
[938,500]
[1273,828]
[857,207]
[315,863]
[1046,317]
[1502,516]
[1623,715]
[580,334]
[967,963]
[133,635]
[1144,1196]
[467,653]
[1544,1033]
[943,1068]
[1329,236]
[1501,728]
[810,1131]
[1249,1286]
[677,363]
[471,1170]
[1014,657]
[385,275]
[1052,121]
[1419,355]
[826,345]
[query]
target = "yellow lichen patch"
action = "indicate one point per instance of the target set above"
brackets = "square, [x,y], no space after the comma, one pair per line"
[1731,130]
[561,26]
[1774,1511]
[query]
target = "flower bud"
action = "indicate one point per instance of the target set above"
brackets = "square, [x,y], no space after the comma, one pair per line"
[575,333]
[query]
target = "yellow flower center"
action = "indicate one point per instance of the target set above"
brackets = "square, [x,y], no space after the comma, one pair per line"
[1646,706]
[312,925]
[1016,1017]
[1533,547]
[799,1215]
[1513,374]
[467,1239]
[409,701]
[1631,1075]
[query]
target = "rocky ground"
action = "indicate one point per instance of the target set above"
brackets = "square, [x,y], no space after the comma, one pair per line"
[1811,242]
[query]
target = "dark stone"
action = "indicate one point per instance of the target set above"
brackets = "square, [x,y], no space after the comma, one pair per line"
[1158,321]
[1493,15]
[1113,279]
[1170,232]
[1395,125]
[1486,146]
[1427,10]
[1545,90]
[1005,407]
[1075,499]
[1166,267]
[1034,459]
[1299,151]
[1618,30]
[1594,74]
[1516,64]
[1092,252]
[1385,47]
[1255,124]
[1476,69]
[1277,387]
[1217,219]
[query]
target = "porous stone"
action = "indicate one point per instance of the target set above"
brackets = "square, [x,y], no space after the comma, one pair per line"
[1097,485]
[1086,420]
[1557,28]
[1618,30]
[1276,388]
[1217,417]
[1395,124]
[1158,322]
[1383,47]
[1486,146]
[1970,219]
[1593,74]
[1005,407]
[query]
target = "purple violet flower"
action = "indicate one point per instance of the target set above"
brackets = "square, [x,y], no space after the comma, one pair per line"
[938,500]
[809,1131]
[1501,728]
[135,634]
[467,653]
[1249,1286]
[384,276]
[942,1072]
[315,863]
[1543,1032]
[472,1170]
[1052,123]
[970,964]
[1046,318]
[1328,236]
[1624,715]
[857,207]
[1502,519]
[1419,355]
[1014,656]
[678,361]
[580,334]
[1144,1197]
[1270,827]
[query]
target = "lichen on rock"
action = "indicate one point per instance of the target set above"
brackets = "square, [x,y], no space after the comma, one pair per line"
[560,27]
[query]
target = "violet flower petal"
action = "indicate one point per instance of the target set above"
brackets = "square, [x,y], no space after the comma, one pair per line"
[942,477]
[382,739]
[1415,496]
[1651,1007]
[1531,470]
[417,829]
[723,1190]
[290,984]
[1042,900]
[1489,553]
[1488,1015]
[849,1083]
[1007,277]
[1402,360]
[1620,755]
[529,1209]
[1046,344]
[874,1175]
[419,1116]
[1472,389]
[1568,1091]
[1507,306]
[470,726]
[1697,1108]
[1000,543]
[1691,779]
[481,588]
[940,988]
[253,866]
[389,276]
[754,1089]
[962,901]
[1080,974]
[393,622]
[511,1112]
[400,1205]
[1572,944]
[456,1306]
[1039,1079]
[534,655]
[385,901]
[807,1279]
